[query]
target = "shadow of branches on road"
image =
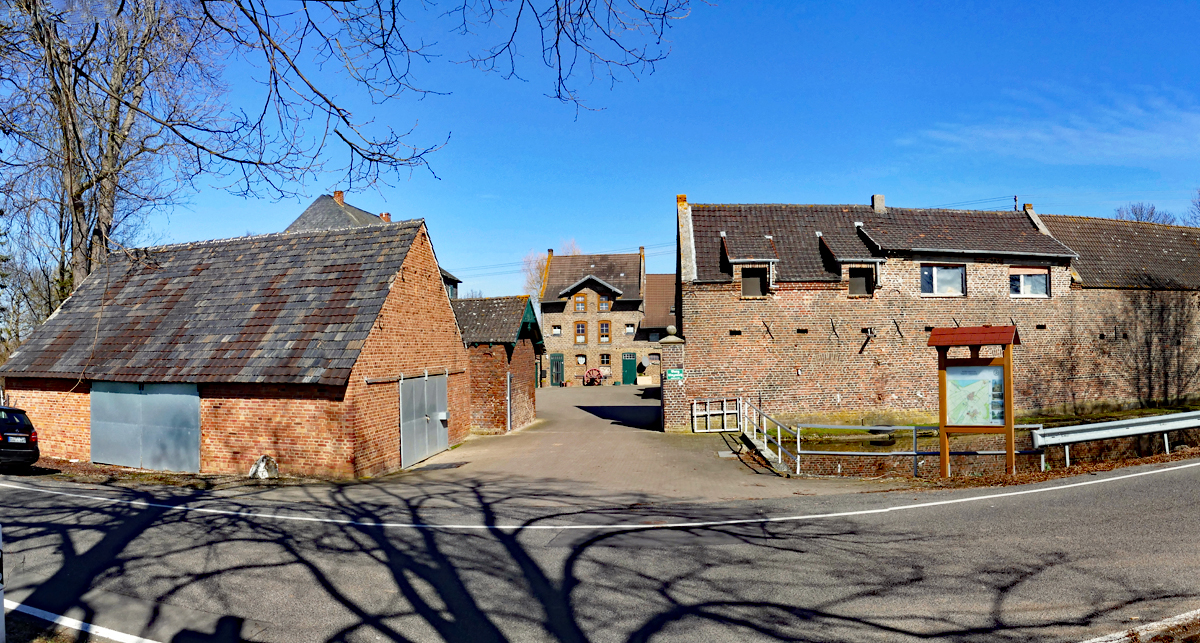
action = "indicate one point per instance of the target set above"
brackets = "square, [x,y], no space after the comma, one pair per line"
[242,575]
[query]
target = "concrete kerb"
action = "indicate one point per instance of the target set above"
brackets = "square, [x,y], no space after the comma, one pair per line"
[1149,631]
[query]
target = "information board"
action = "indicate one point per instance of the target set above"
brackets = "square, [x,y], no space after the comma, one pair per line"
[674,374]
[975,395]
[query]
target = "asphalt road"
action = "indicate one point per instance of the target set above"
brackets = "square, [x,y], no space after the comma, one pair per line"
[1062,565]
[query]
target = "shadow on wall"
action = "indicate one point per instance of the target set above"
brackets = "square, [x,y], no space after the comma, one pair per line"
[355,580]
[1153,341]
[638,417]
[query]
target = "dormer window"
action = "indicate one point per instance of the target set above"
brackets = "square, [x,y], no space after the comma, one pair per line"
[605,303]
[581,303]
[754,282]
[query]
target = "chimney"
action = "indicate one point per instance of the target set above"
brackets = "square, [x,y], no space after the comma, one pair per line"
[681,200]
[877,204]
[1036,220]
[340,197]
[386,217]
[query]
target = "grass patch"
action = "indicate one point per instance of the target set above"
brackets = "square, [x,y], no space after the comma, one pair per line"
[22,628]
[1052,420]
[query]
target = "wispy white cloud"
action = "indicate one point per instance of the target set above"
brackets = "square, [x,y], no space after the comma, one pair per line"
[1057,126]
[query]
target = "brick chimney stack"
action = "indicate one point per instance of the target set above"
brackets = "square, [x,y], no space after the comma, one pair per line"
[386,217]
[877,204]
[340,197]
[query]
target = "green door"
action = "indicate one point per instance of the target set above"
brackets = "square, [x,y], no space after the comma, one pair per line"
[629,368]
[556,369]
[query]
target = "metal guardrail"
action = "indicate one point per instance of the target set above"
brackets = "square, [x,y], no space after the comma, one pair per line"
[1068,435]
[1116,429]
[760,422]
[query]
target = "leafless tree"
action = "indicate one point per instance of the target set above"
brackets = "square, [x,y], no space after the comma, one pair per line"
[1145,212]
[534,266]
[1192,217]
[110,110]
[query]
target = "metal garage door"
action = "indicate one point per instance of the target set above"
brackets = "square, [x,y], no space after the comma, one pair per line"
[152,426]
[424,419]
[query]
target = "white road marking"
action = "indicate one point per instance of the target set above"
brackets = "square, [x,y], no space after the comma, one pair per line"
[66,621]
[1147,629]
[619,527]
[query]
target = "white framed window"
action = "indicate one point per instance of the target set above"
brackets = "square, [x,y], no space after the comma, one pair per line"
[630,329]
[556,330]
[1029,282]
[943,280]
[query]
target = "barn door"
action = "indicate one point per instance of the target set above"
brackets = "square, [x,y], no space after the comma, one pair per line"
[424,419]
[556,369]
[629,368]
[151,426]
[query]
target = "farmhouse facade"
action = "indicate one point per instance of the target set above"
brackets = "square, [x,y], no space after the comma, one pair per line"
[823,312]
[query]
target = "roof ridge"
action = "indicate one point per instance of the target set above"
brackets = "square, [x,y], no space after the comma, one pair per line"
[208,242]
[865,206]
[1122,221]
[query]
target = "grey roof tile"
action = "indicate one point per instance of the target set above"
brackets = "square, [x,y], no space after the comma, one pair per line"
[1130,254]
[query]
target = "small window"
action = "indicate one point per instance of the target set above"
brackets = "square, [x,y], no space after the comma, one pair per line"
[580,332]
[1029,282]
[605,303]
[630,329]
[655,358]
[754,282]
[605,334]
[654,337]
[605,359]
[947,281]
[581,303]
[581,360]
[556,330]
[862,282]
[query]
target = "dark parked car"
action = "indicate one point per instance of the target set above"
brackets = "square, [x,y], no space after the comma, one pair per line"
[18,438]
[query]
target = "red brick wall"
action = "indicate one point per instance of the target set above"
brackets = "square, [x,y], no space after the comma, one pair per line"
[415,331]
[1149,350]
[60,410]
[301,426]
[490,366]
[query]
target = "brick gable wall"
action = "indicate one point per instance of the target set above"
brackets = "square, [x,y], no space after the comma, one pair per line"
[490,367]
[414,332]
[1148,350]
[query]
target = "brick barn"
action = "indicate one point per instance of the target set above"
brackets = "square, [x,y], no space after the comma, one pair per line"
[309,346]
[823,311]
[504,341]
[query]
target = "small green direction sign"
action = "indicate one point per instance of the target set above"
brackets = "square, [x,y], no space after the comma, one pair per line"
[674,374]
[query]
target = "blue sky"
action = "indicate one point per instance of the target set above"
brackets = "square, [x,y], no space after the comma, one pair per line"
[1074,107]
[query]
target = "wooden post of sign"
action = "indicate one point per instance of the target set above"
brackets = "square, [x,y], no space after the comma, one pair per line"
[943,436]
[1010,421]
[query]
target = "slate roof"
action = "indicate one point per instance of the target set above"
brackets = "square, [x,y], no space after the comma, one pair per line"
[1130,254]
[793,231]
[491,320]
[326,214]
[622,271]
[278,308]
[660,299]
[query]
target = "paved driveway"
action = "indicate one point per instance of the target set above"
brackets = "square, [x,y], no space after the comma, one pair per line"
[608,440]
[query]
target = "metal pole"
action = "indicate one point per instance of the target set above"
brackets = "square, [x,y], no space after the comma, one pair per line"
[914,449]
[1067,448]
[508,397]
[1043,460]
[1166,444]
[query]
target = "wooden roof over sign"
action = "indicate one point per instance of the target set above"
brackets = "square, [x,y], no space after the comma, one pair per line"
[974,336]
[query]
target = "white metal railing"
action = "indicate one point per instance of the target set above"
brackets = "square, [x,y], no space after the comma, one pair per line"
[759,423]
[1068,435]
[726,409]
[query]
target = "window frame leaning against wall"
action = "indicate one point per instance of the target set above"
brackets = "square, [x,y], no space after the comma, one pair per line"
[578,335]
[934,268]
[1022,274]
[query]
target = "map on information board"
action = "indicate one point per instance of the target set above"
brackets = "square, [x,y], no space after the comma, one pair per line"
[975,395]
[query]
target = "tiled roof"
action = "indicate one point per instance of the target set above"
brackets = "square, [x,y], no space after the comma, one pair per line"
[740,246]
[326,214]
[623,271]
[974,336]
[660,299]
[279,308]
[491,320]
[794,228]
[1130,254]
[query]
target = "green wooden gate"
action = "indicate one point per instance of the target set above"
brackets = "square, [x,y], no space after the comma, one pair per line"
[629,368]
[556,369]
